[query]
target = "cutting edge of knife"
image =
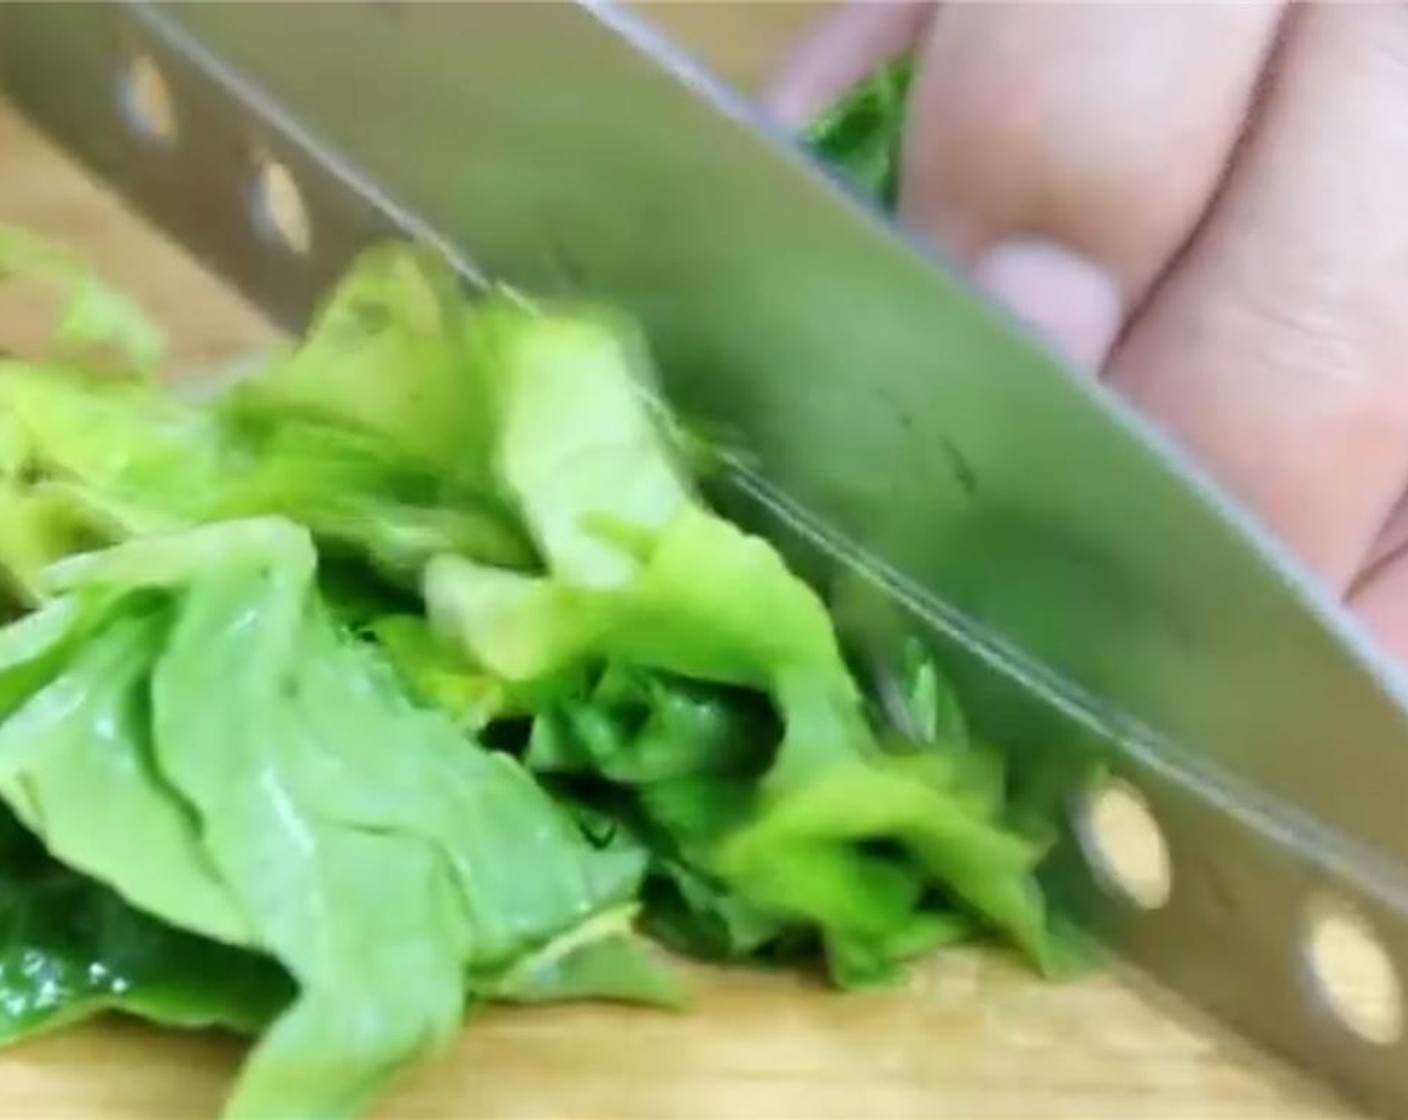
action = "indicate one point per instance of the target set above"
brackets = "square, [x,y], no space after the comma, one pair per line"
[1313,592]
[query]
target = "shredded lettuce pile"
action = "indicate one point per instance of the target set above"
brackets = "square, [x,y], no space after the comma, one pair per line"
[411,674]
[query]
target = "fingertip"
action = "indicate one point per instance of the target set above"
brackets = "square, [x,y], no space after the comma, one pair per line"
[1067,298]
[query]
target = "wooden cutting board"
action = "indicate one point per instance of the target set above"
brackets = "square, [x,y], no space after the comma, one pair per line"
[971,1036]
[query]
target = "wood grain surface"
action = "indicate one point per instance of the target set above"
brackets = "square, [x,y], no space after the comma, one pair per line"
[971,1036]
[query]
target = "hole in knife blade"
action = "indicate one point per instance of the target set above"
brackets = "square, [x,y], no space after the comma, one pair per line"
[1352,972]
[280,213]
[147,102]
[1125,845]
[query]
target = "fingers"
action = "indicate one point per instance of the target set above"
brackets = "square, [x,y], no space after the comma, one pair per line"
[1276,349]
[1069,150]
[843,49]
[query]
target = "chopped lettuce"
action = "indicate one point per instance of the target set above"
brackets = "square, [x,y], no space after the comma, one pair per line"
[375,465]
[567,424]
[412,673]
[77,767]
[869,850]
[355,492]
[93,320]
[390,864]
[387,356]
[71,949]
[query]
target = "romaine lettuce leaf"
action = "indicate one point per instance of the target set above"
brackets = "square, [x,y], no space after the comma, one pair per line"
[115,444]
[356,492]
[564,393]
[76,767]
[98,460]
[365,433]
[438,674]
[93,318]
[35,529]
[839,834]
[635,728]
[70,949]
[264,637]
[394,867]
[603,958]
[387,356]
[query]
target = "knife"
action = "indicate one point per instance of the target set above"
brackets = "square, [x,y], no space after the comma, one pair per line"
[915,451]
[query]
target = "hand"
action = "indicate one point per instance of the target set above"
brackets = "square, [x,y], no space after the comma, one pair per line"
[1207,205]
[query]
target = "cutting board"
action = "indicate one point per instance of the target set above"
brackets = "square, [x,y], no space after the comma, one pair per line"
[972,1035]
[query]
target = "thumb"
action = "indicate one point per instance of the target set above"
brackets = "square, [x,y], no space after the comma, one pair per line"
[839,52]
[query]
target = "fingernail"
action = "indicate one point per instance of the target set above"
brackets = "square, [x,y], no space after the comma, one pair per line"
[792,103]
[1075,304]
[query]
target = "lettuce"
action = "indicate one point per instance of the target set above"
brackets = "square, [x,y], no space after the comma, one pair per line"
[93,320]
[861,134]
[71,949]
[412,673]
[393,867]
[868,849]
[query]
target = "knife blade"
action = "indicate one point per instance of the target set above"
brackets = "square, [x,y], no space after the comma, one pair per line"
[919,454]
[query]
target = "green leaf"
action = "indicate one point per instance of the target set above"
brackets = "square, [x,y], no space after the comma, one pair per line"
[70,950]
[566,394]
[132,449]
[437,673]
[714,603]
[840,835]
[93,317]
[603,958]
[518,628]
[358,493]
[31,535]
[809,853]
[387,355]
[384,473]
[76,766]
[698,914]
[245,750]
[929,708]
[35,646]
[378,854]
[861,135]
[636,728]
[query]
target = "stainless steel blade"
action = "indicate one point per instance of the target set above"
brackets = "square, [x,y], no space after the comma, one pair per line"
[1090,594]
